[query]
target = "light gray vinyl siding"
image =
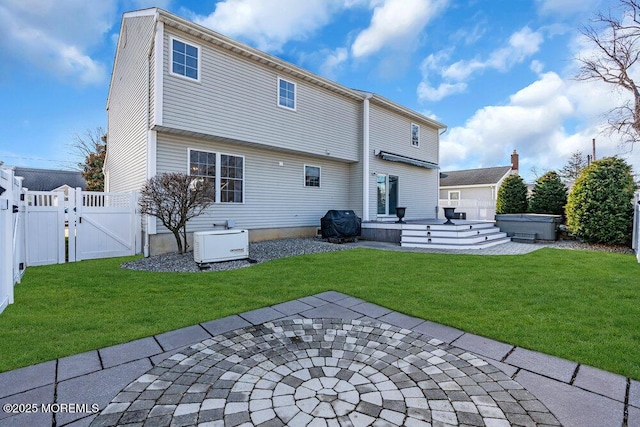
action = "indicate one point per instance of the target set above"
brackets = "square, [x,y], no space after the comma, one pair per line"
[471,193]
[274,195]
[128,107]
[418,186]
[236,98]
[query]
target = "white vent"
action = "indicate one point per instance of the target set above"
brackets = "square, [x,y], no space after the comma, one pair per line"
[220,245]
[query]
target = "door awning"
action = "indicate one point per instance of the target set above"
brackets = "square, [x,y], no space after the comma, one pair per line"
[384,155]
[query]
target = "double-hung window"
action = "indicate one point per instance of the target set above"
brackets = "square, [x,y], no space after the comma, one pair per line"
[311,176]
[185,59]
[226,170]
[286,94]
[415,135]
[231,178]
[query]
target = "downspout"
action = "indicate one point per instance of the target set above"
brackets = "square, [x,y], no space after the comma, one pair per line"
[438,180]
[365,157]
[157,48]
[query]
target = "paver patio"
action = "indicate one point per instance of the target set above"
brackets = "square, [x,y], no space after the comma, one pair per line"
[327,359]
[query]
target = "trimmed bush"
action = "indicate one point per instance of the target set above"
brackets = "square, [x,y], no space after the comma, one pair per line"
[512,196]
[600,205]
[549,195]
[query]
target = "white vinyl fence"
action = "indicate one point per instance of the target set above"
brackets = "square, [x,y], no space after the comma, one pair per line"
[475,210]
[49,227]
[635,244]
[12,238]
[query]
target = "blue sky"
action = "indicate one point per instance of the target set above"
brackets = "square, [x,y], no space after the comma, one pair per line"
[498,73]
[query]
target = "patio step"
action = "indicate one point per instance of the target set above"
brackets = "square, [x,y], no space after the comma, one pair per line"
[456,236]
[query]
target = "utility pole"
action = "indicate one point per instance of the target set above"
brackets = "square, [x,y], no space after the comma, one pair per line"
[593,146]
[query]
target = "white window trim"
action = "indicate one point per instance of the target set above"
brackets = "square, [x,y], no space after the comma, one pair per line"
[218,180]
[454,202]
[295,94]
[411,135]
[219,175]
[197,46]
[304,176]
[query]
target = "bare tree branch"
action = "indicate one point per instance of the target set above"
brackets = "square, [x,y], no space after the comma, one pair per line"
[175,198]
[91,147]
[616,41]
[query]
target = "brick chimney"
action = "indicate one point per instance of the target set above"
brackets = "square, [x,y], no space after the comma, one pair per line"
[514,161]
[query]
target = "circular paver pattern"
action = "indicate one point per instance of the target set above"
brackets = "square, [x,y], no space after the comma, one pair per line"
[324,372]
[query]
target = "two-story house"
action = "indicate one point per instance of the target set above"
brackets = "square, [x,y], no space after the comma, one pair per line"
[282,144]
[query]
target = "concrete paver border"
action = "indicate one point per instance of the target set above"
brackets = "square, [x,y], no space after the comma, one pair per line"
[585,398]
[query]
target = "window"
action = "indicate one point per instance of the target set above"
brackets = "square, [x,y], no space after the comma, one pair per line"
[454,198]
[231,177]
[185,59]
[286,94]
[388,192]
[415,135]
[311,176]
[226,170]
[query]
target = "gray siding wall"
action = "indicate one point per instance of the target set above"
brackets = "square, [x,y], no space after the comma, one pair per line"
[473,193]
[128,104]
[275,196]
[237,98]
[418,186]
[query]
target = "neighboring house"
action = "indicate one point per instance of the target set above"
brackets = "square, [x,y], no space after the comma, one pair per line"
[50,179]
[282,144]
[474,191]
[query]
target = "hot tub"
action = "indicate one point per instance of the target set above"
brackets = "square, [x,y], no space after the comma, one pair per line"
[543,226]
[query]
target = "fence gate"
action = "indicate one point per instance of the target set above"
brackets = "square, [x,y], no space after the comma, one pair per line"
[82,225]
[45,227]
[106,225]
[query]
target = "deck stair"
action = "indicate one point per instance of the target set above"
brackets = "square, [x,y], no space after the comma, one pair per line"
[460,235]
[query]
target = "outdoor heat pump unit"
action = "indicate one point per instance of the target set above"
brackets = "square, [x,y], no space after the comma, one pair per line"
[220,245]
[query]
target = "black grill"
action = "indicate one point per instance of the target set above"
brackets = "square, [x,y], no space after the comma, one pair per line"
[340,225]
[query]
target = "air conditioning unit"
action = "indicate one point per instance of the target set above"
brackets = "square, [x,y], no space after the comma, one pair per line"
[220,245]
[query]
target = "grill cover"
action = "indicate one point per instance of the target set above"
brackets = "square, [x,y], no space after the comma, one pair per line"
[339,224]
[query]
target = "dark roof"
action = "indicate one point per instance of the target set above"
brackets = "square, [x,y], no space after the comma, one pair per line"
[49,179]
[483,176]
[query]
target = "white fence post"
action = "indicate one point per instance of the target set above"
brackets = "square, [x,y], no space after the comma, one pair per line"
[7,198]
[72,221]
[635,240]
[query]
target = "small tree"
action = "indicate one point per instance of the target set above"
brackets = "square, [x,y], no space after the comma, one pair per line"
[571,170]
[600,208]
[175,198]
[92,147]
[512,196]
[549,195]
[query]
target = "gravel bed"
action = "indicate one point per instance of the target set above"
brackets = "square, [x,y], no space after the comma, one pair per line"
[575,244]
[258,252]
[274,249]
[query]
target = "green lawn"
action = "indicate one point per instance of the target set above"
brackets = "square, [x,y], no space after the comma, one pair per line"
[580,305]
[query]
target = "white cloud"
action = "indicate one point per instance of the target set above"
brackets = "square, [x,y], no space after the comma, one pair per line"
[566,7]
[432,93]
[334,61]
[269,24]
[521,45]
[395,23]
[534,122]
[39,32]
